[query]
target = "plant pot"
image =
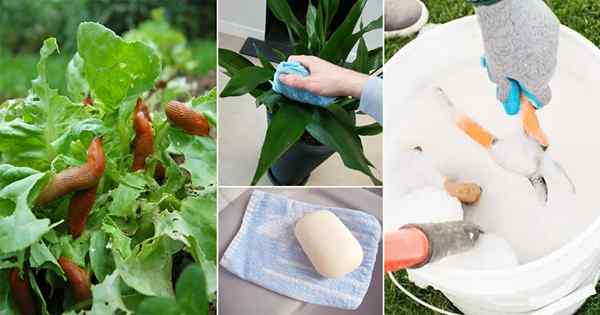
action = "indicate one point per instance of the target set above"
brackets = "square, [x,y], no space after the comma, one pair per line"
[295,165]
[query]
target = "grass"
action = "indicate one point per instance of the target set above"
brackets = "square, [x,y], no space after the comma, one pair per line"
[205,53]
[19,70]
[580,15]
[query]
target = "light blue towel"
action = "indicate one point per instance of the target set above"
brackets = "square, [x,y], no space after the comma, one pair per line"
[300,95]
[265,251]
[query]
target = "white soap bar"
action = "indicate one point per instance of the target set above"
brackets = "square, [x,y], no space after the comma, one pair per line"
[330,246]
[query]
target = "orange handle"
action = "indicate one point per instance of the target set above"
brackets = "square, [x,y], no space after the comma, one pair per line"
[530,122]
[476,131]
[405,248]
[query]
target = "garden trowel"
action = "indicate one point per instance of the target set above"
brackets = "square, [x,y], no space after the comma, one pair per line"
[416,245]
[524,154]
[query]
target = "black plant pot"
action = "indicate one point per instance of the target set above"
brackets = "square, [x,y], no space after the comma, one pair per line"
[295,165]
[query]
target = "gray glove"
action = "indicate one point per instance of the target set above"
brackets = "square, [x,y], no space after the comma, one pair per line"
[521,42]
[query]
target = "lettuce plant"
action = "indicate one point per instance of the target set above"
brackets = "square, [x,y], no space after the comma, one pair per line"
[333,125]
[140,229]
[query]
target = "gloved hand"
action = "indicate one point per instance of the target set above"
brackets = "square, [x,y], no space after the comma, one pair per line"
[521,41]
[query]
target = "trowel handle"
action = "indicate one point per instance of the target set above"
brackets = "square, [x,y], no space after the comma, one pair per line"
[469,126]
[531,124]
[416,245]
[474,130]
[405,248]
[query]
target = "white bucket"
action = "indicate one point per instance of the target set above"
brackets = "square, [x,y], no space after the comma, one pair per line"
[558,272]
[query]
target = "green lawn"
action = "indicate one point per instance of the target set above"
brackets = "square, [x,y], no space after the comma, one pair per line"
[580,15]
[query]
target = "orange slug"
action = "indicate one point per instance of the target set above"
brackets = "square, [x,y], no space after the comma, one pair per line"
[184,117]
[76,178]
[78,278]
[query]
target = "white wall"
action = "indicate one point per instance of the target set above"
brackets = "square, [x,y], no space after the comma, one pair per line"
[246,18]
[242,18]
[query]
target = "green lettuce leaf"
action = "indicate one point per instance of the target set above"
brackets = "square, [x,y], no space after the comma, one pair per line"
[114,68]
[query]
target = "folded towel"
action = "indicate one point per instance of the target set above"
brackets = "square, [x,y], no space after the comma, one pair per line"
[300,95]
[266,252]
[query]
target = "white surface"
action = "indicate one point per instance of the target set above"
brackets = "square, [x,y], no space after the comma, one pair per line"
[242,129]
[328,243]
[243,18]
[557,246]
[428,205]
[490,252]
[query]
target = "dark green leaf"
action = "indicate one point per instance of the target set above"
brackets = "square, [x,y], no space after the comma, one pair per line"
[361,63]
[191,291]
[340,47]
[284,13]
[286,127]
[232,61]
[246,80]
[342,115]
[330,8]
[332,50]
[158,306]
[375,59]
[270,99]
[312,28]
[263,60]
[280,54]
[329,131]
[369,130]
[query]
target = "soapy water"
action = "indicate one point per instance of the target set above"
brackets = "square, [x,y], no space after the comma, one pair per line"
[507,208]
[490,252]
[517,153]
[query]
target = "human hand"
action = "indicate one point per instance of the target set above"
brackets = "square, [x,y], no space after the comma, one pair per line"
[521,42]
[325,79]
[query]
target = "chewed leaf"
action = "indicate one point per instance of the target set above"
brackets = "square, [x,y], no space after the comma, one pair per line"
[153,257]
[114,68]
[22,228]
[76,84]
[107,296]
[199,153]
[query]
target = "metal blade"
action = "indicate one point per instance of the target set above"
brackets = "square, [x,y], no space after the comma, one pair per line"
[564,174]
[541,189]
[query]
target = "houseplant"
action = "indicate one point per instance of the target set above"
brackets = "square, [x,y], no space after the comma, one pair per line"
[297,130]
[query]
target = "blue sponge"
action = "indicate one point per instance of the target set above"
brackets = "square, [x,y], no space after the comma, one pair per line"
[300,95]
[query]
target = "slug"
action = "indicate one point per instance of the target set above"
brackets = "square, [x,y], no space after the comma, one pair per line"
[143,143]
[184,117]
[79,208]
[78,278]
[76,178]
[22,293]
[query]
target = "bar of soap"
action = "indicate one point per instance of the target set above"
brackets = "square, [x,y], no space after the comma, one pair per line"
[328,243]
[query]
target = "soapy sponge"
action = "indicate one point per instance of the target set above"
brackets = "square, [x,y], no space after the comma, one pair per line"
[300,95]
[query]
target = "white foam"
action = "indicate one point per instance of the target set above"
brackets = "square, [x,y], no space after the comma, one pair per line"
[425,205]
[490,252]
[509,207]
